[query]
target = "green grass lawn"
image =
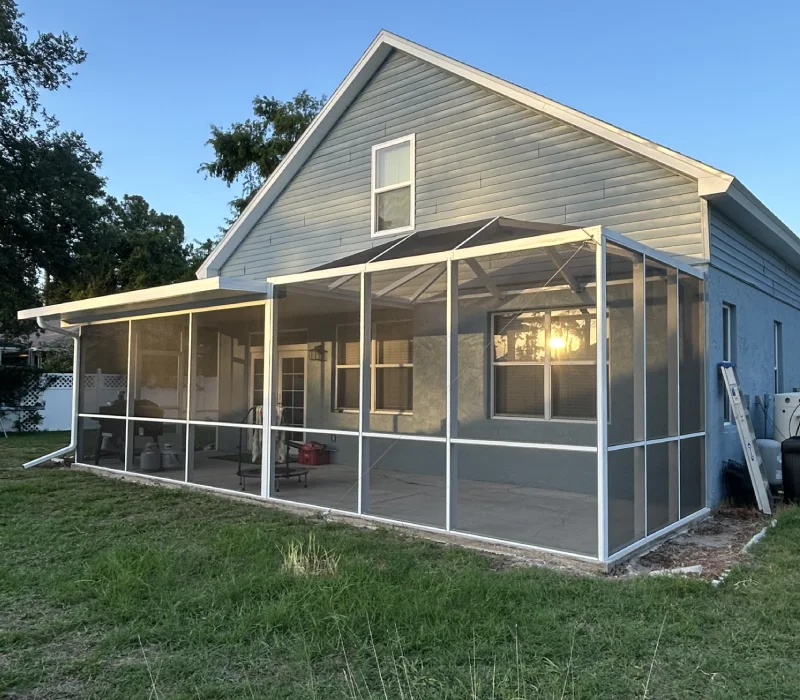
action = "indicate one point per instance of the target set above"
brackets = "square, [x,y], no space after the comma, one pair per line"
[111,590]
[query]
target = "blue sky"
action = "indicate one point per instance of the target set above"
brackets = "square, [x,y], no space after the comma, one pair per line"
[719,81]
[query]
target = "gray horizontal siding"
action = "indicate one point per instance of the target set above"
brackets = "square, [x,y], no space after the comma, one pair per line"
[742,257]
[478,154]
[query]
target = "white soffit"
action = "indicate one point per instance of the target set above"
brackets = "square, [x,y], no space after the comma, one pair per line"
[711,181]
[212,290]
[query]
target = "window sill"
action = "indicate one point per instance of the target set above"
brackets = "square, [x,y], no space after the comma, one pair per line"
[374,413]
[535,419]
[392,231]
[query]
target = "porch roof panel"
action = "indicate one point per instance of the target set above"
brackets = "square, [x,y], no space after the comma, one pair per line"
[169,297]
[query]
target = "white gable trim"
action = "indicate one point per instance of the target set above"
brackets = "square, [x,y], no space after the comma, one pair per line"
[711,181]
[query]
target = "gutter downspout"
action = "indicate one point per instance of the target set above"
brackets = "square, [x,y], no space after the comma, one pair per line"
[76,340]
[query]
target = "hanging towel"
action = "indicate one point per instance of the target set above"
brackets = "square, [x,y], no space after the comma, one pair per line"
[257,435]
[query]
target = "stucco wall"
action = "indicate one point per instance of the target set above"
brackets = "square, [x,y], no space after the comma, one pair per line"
[755,313]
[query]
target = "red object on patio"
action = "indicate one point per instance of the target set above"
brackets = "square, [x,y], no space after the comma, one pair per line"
[314,454]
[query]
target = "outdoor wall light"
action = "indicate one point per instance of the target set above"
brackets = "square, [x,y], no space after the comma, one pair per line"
[317,353]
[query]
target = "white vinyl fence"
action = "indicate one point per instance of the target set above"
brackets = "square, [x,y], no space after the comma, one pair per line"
[50,399]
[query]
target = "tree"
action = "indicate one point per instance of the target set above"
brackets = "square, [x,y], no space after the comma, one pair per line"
[249,151]
[132,246]
[61,237]
[48,178]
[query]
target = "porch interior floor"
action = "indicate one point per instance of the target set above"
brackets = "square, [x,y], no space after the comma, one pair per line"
[514,512]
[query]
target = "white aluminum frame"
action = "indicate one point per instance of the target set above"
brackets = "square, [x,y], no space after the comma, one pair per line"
[451,440]
[411,184]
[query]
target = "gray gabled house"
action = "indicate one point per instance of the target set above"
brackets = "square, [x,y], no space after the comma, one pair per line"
[501,316]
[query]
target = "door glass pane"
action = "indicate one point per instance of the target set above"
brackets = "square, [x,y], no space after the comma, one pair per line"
[291,395]
[258,381]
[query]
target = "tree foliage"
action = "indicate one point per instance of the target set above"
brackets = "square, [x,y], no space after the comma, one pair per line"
[48,179]
[61,236]
[132,246]
[248,152]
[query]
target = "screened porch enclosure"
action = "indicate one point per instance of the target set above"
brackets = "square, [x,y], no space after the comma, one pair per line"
[505,380]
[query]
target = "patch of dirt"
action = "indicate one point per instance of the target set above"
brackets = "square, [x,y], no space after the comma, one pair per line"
[715,544]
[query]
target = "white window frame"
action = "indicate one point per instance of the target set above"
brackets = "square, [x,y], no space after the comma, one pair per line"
[374,366]
[337,367]
[728,310]
[375,191]
[548,363]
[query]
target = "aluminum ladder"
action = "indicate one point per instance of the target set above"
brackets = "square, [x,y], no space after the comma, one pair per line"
[747,437]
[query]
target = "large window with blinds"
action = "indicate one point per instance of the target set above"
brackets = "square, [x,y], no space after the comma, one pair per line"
[544,364]
[392,367]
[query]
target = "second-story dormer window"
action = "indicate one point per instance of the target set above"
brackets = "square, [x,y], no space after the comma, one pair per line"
[393,186]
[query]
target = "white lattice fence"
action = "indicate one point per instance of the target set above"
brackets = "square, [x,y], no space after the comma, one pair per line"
[45,404]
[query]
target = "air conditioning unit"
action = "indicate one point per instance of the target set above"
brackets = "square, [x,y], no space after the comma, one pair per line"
[787,416]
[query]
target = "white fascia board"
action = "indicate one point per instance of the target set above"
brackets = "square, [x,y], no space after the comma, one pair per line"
[743,207]
[143,296]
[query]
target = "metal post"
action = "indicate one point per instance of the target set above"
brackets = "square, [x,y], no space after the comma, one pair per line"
[267,410]
[189,458]
[365,392]
[451,422]
[602,404]
[639,395]
[129,384]
[678,384]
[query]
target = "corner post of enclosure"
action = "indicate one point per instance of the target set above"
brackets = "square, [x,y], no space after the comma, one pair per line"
[640,394]
[602,403]
[267,411]
[451,422]
[365,391]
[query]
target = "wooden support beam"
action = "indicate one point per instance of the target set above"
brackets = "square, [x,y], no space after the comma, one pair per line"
[437,273]
[402,280]
[569,278]
[483,278]
[338,283]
